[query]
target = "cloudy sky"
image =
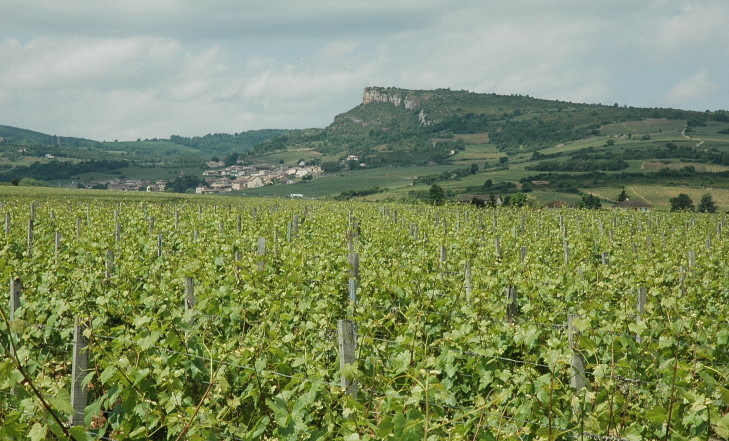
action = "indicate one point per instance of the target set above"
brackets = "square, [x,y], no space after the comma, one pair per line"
[152,68]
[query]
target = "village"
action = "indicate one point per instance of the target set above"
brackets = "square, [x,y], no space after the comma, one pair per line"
[219,178]
[222,179]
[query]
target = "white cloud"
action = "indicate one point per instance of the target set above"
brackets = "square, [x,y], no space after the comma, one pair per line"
[689,90]
[152,68]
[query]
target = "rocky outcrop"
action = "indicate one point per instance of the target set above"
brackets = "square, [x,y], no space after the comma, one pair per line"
[392,96]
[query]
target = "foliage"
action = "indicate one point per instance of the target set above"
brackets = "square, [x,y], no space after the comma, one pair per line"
[256,357]
[61,170]
[349,194]
[590,202]
[707,204]
[682,202]
[228,143]
[623,195]
[436,195]
[181,184]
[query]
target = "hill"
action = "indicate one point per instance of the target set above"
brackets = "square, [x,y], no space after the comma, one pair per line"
[403,141]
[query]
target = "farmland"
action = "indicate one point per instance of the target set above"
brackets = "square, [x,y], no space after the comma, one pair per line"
[244,319]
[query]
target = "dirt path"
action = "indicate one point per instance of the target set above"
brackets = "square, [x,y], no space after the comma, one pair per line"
[638,194]
[701,141]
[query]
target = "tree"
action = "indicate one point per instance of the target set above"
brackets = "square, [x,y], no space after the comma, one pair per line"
[474,168]
[436,195]
[331,167]
[231,159]
[591,202]
[707,204]
[622,196]
[503,160]
[519,200]
[682,202]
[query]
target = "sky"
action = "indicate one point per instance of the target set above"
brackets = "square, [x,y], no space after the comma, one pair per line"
[142,69]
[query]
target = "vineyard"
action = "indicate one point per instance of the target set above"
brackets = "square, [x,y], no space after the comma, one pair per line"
[295,320]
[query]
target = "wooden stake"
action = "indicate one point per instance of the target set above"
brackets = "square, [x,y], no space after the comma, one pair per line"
[30,237]
[261,252]
[642,295]
[347,347]
[109,264]
[511,307]
[79,392]
[468,282]
[354,263]
[578,380]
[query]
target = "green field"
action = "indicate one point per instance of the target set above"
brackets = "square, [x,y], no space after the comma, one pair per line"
[208,318]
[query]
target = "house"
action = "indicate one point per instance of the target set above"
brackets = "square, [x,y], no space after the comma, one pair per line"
[481,199]
[239,184]
[634,205]
[254,182]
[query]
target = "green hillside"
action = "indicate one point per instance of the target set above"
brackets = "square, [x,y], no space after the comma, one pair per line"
[404,141]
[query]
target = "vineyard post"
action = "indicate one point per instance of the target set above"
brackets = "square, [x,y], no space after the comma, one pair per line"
[189,295]
[642,296]
[497,247]
[53,214]
[30,237]
[604,258]
[57,244]
[289,232]
[354,262]
[32,210]
[160,244]
[296,224]
[691,258]
[347,345]
[79,392]
[566,248]
[511,307]
[237,257]
[468,282]
[708,243]
[261,252]
[78,227]
[522,254]
[239,223]
[177,218]
[682,278]
[7,223]
[496,219]
[109,263]
[352,294]
[443,255]
[151,224]
[577,380]
[16,287]
[221,227]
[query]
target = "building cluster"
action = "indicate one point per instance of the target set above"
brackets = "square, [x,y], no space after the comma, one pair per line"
[126,185]
[241,177]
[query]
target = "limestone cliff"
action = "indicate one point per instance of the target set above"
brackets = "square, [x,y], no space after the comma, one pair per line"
[386,95]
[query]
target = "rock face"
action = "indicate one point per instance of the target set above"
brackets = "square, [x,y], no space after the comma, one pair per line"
[382,95]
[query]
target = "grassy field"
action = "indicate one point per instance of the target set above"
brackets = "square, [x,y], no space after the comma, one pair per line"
[647,126]
[659,196]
